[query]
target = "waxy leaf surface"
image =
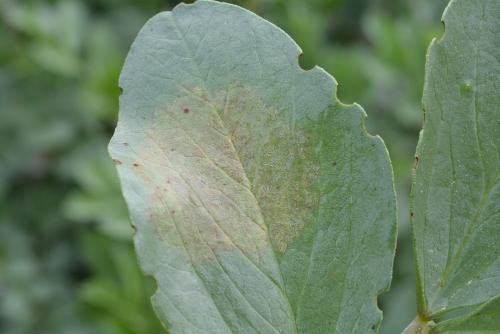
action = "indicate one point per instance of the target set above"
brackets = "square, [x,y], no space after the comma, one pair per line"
[260,202]
[456,198]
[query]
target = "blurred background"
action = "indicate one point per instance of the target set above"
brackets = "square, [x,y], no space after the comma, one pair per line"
[66,259]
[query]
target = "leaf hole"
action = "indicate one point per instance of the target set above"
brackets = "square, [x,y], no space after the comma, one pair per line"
[305,63]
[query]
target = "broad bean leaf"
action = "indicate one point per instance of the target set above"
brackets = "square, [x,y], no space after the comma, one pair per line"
[456,198]
[483,320]
[261,204]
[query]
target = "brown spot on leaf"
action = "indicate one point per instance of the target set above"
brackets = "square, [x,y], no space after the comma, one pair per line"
[135,164]
[117,162]
[186,110]
[416,162]
[412,214]
[334,163]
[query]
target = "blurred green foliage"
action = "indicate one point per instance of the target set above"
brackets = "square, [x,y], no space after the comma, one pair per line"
[66,256]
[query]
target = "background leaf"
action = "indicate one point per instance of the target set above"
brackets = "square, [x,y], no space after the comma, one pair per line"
[261,204]
[456,202]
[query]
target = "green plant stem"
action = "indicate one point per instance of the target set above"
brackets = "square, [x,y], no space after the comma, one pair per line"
[419,325]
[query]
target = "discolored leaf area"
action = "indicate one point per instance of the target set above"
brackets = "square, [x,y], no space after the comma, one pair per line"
[456,198]
[261,204]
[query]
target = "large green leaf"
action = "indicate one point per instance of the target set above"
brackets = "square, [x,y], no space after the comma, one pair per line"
[456,198]
[260,202]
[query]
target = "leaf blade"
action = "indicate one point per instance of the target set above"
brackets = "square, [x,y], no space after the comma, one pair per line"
[232,182]
[482,320]
[455,197]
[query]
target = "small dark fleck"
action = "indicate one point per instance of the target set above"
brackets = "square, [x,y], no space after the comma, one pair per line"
[416,162]
[172,149]
[172,212]
[126,144]
[373,327]
[168,181]
[117,162]
[186,110]
[135,164]
[334,163]
[412,214]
